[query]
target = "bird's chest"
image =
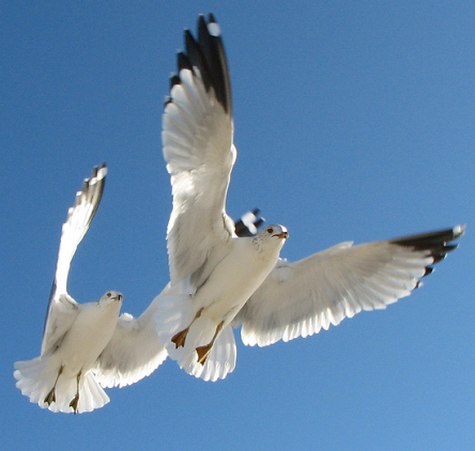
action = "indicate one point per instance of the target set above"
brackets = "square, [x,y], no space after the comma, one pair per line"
[87,338]
[232,282]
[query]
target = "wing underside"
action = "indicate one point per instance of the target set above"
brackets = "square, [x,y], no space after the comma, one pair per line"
[198,147]
[62,308]
[299,299]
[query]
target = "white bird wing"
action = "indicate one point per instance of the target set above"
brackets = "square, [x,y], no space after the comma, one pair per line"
[134,351]
[298,299]
[62,308]
[197,136]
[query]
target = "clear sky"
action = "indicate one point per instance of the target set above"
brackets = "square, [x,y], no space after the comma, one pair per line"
[354,121]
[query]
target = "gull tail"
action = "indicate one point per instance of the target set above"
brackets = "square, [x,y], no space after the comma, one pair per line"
[36,378]
[175,314]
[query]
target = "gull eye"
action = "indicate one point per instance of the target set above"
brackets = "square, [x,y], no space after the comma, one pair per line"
[108,294]
[270,230]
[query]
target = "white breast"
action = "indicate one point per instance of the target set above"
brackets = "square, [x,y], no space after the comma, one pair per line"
[88,336]
[236,278]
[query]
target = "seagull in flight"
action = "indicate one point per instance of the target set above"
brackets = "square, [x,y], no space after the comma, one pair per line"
[87,347]
[219,280]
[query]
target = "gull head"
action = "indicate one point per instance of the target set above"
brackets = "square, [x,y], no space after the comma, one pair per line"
[277,231]
[111,297]
[271,240]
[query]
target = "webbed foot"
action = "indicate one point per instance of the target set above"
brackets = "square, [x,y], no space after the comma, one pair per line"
[179,338]
[203,353]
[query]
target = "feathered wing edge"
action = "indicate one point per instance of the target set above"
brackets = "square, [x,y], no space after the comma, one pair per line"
[197,132]
[299,299]
[207,54]
[61,306]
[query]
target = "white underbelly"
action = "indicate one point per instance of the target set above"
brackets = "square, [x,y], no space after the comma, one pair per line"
[230,286]
[89,335]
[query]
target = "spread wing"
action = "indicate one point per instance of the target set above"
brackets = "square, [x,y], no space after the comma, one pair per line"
[134,351]
[62,308]
[298,299]
[197,136]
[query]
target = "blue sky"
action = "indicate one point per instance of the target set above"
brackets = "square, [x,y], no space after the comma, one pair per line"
[354,121]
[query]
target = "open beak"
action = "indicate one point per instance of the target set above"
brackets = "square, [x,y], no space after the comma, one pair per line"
[282,235]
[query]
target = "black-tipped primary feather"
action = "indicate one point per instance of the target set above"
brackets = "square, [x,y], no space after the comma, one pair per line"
[174,80]
[99,192]
[197,59]
[212,48]
[183,62]
[436,243]
[207,54]
[249,223]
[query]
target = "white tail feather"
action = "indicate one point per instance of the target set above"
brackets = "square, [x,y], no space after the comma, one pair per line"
[36,377]
[175,313]
[222,359]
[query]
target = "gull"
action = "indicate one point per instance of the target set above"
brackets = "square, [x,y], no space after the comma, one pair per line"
[87,347]
[213,270]
[219,280]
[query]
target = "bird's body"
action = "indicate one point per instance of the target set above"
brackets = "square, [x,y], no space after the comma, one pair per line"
[61,379]
[88,336]
[233,280]
[204,314]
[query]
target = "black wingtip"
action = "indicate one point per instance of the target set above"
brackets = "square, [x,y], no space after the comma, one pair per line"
[249,223]
[98,180]
[432,240]
[183,62]
[167,101]
[207,54]
[429,270]
[436,244]
[174,80]
[98,174]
